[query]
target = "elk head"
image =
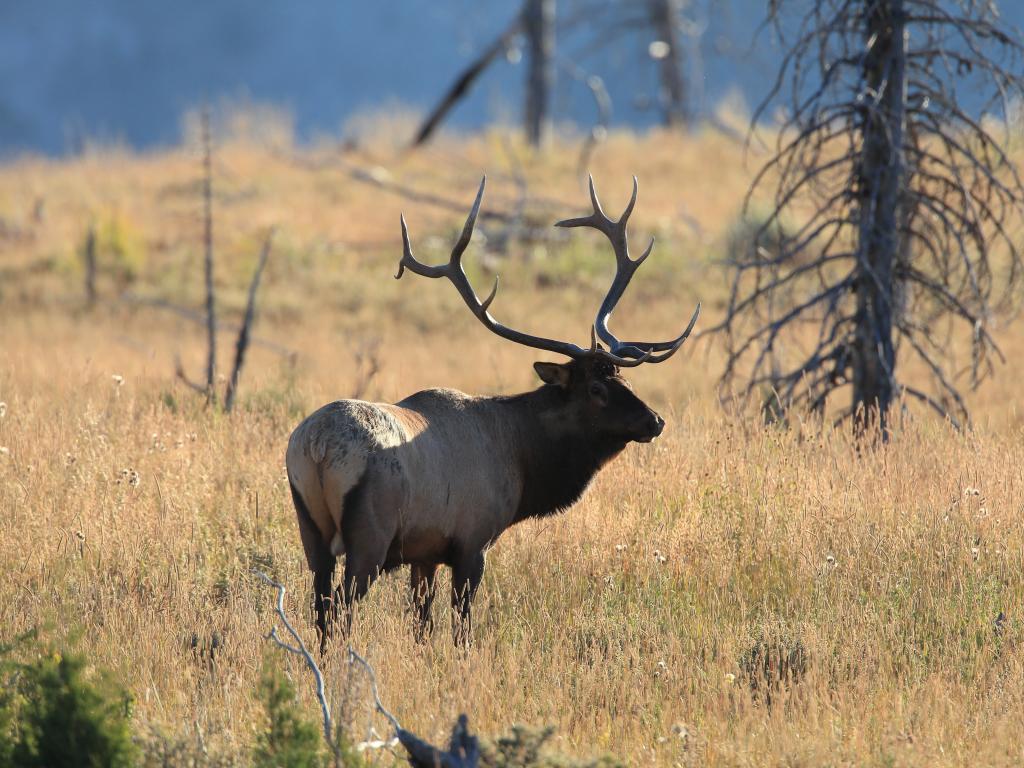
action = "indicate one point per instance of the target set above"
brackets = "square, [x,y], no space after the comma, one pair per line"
[596,398]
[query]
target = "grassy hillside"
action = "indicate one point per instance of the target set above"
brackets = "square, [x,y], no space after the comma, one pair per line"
[640,624]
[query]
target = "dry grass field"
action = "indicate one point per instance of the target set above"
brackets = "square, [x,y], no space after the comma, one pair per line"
[639,624]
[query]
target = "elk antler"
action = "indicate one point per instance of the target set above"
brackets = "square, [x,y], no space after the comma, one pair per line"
[615,231]
[621,354]
[453,271]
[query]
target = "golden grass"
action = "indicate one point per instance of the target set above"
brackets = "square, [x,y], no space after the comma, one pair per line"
[629,622]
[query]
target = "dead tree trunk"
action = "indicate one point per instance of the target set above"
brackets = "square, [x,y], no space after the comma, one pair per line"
[539,28]
[880,181]
[211,317]
[89,255]
[904,198]
[665,18]
[242,345]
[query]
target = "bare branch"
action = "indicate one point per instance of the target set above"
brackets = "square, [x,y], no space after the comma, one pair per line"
[299,649]
[179,371]
[243,335]
[463,749]
[460,87]
[354,657]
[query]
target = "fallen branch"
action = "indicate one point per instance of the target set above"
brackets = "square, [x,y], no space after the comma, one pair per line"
[463,749]
[299,649]
[185,313]
[179,371]
[354,657]
[418,196]
[466,78]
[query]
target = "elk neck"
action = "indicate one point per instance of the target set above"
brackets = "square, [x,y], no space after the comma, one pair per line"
[557,456]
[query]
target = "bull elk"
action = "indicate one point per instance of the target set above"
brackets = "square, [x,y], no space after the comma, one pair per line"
[436,478]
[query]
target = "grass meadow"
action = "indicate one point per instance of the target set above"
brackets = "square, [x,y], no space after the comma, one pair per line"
[652,622]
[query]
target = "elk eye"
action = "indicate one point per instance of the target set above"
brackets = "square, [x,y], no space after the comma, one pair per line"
[598,392]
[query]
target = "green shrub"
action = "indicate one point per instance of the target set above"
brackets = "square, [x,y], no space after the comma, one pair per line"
[7,703]
[290,739]
[53,716]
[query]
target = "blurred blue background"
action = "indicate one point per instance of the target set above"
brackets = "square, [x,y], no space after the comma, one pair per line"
[126,70]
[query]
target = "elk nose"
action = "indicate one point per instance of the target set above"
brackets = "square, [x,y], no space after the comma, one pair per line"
[659,425]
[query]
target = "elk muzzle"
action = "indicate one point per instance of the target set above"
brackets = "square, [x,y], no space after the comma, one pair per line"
[653,427]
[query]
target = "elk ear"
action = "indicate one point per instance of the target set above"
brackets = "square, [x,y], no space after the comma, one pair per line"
[553,373]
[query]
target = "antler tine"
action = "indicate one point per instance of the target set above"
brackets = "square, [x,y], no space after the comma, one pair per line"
[625,354]
[643,352]
[467,229]
[629,207]
[441,270]
[408,260]
[598,219]
[625,267]
[457,275]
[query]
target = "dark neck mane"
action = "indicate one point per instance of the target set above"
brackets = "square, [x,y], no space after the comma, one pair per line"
[557,461]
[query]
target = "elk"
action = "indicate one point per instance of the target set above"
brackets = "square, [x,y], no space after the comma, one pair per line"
[436,478]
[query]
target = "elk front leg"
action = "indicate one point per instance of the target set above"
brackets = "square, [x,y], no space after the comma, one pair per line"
[467,572]
[421,588]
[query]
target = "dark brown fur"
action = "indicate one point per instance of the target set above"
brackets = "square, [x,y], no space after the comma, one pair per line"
[539,451]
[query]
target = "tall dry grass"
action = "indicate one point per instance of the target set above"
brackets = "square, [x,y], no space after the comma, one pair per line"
[653,621]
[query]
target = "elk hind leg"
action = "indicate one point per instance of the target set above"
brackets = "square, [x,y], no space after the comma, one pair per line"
[366,547]
[467,571]
[421,589]
[361,571]
[321,562]
[325,606]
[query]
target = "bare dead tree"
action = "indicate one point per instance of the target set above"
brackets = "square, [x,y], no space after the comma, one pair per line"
[242,344]
[911,196]
[666,19]
[666,31]
[536,22]
[245,330]
[211,316]
[539,28]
